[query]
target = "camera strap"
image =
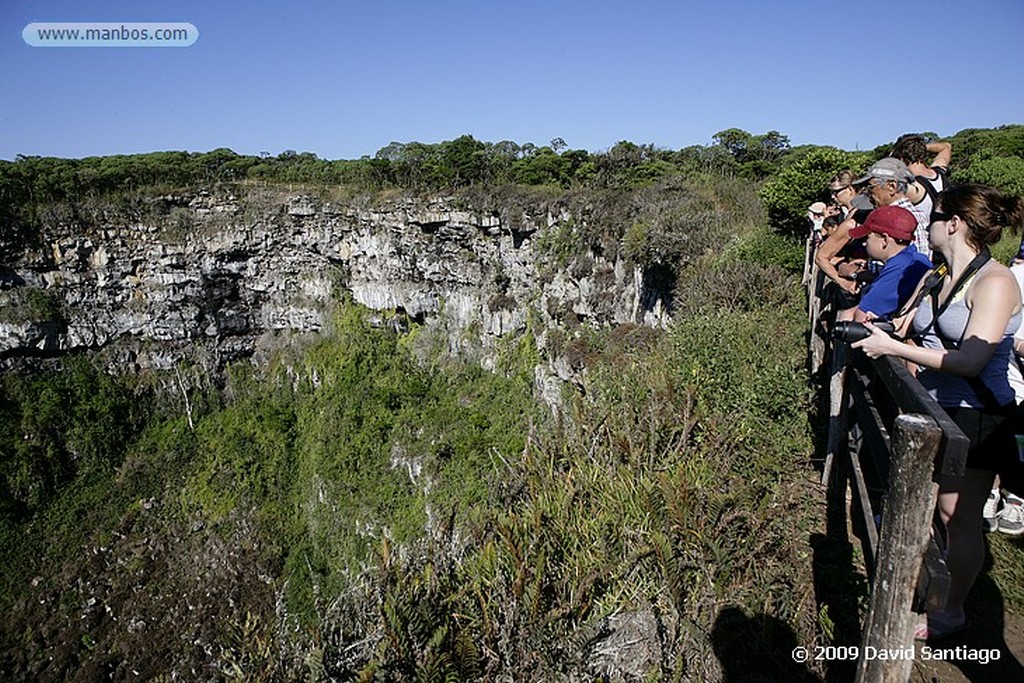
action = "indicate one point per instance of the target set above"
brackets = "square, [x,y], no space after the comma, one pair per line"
[973,267]
[932,281]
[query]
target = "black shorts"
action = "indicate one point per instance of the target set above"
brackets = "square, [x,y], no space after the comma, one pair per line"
[993,443]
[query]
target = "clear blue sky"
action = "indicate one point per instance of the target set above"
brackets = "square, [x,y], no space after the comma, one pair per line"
[344,78]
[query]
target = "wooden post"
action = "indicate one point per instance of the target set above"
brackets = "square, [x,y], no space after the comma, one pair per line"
[808,260]
[838,418]
[906,521]
[818,342]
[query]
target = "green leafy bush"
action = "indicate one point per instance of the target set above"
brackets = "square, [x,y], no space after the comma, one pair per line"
[788,194]
[1005,173]
[62,423]
[763,246]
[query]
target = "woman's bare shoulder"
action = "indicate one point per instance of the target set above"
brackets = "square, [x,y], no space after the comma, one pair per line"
[995,282]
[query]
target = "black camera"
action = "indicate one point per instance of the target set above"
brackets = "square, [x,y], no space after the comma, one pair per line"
[865,277]
[851,332]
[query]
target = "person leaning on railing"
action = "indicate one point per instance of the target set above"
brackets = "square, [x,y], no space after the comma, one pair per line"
[838,257]
[965,325]
[846,197]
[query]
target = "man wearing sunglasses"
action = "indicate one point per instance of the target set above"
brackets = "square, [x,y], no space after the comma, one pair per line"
[886,184]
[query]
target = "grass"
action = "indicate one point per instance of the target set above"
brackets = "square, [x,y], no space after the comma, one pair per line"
[1007,570]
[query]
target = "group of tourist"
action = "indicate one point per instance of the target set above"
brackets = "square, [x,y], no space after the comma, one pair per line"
[919,258]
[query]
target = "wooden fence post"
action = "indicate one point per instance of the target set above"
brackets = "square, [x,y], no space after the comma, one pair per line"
[818,343]
[808,261]
[838,418]
[906,524]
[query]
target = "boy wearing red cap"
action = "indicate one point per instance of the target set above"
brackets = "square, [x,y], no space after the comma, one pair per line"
[890,239]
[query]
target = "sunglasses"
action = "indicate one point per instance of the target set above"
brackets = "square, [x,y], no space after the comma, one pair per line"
[841,189]
[937,216]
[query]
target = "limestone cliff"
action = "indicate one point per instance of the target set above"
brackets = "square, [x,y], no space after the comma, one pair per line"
[214,277]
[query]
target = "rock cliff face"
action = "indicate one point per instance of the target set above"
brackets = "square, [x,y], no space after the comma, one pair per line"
[215,278]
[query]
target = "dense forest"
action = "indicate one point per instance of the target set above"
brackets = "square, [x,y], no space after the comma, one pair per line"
[366,507]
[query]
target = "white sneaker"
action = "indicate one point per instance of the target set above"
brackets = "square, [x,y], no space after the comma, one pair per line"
[1011,517]
[989,514]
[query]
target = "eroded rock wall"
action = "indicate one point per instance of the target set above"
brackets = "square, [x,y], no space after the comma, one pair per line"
[215,278]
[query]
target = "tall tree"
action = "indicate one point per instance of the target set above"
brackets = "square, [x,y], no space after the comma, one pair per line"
[736,141]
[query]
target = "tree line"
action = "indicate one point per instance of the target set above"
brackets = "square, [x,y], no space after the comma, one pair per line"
[792,176]
[416,165]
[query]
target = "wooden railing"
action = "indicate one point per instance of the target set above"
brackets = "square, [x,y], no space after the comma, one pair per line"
[892,442]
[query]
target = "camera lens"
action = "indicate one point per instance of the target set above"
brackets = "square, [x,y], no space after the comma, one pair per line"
[852,332]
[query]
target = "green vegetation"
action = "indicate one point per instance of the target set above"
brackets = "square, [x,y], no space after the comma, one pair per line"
[977,152]
[368,448]
[421,518]
[788,194]
[58,426]
[33,188]
[366,508]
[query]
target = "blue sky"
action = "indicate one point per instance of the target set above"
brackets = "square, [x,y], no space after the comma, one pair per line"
[343,79]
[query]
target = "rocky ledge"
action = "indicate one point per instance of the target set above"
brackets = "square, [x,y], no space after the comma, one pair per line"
[213,278]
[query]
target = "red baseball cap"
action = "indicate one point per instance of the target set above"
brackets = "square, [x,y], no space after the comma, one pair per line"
[894,221]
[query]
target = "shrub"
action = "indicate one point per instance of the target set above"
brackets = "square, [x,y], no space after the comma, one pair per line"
[1005,173]
[60,424]
[788,194]
[765,247]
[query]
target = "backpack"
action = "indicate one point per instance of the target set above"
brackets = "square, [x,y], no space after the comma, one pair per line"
[929,184]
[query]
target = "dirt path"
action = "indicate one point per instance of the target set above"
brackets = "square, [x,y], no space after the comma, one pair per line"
[978,642]
[986,637]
